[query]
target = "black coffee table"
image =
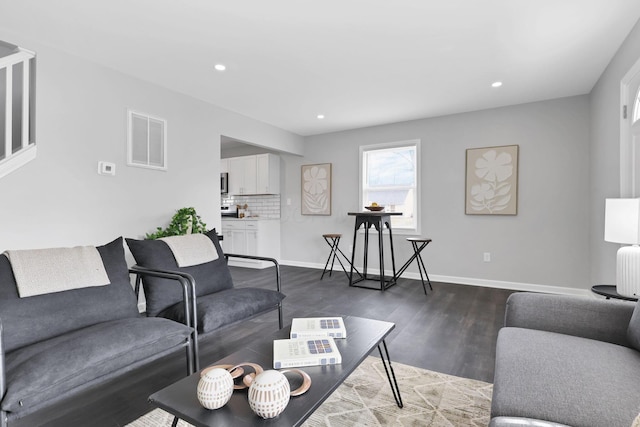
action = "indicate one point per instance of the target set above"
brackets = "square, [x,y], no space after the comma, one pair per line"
[364,335]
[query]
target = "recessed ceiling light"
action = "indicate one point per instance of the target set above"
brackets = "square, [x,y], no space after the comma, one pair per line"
[496,84]
[320,116]
[220,67]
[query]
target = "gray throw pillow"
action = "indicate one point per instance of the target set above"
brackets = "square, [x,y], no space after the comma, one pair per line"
[633,331]
[32,319]
[160,293]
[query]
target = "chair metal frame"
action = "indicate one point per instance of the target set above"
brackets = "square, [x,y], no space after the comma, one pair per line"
[189,301]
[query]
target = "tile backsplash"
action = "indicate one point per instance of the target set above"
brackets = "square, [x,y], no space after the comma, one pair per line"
[264,206]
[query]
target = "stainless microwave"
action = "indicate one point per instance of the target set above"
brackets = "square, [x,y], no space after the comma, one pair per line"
[224,183]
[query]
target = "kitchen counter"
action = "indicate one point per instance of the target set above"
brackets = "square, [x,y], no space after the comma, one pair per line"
[251,218]
[251,236]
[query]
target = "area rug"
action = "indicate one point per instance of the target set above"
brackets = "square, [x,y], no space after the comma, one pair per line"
[365,399]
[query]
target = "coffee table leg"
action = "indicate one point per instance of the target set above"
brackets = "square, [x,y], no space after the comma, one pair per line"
[393,383]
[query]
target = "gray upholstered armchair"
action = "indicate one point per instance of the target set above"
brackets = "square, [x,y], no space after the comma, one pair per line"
[564,360]
[215,301]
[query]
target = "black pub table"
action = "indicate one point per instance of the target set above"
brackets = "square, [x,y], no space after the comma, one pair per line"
[378,220]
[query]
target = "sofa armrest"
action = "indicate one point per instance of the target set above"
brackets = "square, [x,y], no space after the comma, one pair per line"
[602,320]
[3,377]
[278,281]
[260,258]
[189,300]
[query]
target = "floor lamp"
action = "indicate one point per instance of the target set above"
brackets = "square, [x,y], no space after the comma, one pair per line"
[622,225]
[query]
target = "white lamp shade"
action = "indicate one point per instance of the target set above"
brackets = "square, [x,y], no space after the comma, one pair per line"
[622,221]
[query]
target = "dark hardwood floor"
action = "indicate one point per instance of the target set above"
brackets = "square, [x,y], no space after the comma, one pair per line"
[452,330]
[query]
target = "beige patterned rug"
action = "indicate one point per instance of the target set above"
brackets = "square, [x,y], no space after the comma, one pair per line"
[365,399]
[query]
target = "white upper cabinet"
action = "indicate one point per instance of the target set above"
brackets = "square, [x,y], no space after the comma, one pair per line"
[242,175]
[259,174]
[268,181]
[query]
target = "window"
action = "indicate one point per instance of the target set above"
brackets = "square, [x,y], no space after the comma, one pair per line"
[147,141]
[17,107]
[390,175]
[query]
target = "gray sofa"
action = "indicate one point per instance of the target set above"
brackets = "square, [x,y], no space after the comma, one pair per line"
[563,360]
[56,345]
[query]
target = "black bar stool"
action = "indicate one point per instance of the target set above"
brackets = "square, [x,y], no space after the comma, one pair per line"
[418,243]
[333,240]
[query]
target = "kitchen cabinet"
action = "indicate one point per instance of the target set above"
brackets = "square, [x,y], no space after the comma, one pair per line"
[251,237]
[268,174]
[224,165]
[257,174]
[243,175]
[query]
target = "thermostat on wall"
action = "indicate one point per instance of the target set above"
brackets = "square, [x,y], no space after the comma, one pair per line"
[106,168]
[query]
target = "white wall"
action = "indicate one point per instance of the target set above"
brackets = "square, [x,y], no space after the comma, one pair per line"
[605,154]
[569,162]
[545,244]
[60,200]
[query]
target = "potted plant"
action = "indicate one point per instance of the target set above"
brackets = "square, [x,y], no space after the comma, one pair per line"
[185,221]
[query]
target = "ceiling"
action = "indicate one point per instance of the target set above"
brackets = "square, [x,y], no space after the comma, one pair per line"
[358,62]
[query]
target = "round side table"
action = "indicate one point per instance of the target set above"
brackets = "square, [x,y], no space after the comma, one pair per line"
[609,291]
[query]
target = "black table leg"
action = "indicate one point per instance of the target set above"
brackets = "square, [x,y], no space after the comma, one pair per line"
[393,256]
[393,383]
[353,254]
[366,250]
[380,227]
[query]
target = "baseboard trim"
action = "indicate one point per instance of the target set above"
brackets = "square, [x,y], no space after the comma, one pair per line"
[470,281]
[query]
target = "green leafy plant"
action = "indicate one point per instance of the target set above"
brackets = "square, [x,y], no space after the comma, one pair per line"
[179,225]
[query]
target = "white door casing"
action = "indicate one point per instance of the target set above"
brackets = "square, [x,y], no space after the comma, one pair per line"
[630,133]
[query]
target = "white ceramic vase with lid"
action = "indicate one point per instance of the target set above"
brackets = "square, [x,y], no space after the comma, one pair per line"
[269,394]
[215,388]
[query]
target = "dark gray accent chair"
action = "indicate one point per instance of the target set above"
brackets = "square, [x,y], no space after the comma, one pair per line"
[215,301]
[54,346]
[567,361]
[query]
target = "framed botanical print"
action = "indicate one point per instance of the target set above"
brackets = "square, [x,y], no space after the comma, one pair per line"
[492,181]
[316,189]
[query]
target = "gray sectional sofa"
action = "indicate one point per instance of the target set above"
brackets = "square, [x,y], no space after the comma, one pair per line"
[563,360]
[56,345]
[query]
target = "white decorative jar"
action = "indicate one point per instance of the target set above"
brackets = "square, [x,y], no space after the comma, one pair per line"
[269,394]
[215,388]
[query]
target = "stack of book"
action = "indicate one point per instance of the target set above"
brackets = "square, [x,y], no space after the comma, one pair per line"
[311,343]
[318,327]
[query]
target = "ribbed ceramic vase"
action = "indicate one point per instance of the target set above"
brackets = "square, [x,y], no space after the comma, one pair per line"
[215,388]
[269,394]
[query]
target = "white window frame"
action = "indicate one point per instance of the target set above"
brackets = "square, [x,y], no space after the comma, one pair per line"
[12,161]
[415,143]
[131,142]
